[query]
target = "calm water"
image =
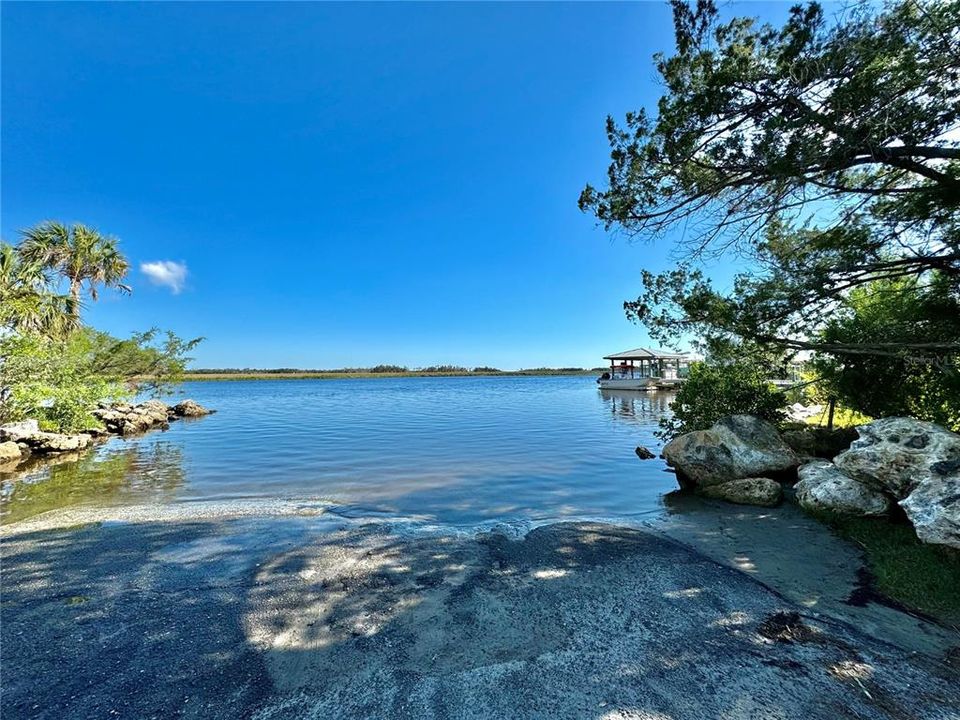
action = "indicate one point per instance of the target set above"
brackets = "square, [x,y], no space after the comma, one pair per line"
[452,450]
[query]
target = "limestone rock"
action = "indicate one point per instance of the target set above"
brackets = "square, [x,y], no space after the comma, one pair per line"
[189,408]
[823,486]
[157,411]
[896,455]
[9,452]
[46,442]
[157,406]
[934,508]
[18,430]
[736,447]
[801,412]
[916,462]
[127,419]
[747,491]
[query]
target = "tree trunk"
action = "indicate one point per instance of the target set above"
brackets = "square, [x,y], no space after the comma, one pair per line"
[75,298]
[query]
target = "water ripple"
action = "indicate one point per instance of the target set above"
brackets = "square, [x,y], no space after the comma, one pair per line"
[454,450]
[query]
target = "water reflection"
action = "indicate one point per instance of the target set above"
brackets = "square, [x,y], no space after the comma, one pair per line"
[642,407]
[115,473]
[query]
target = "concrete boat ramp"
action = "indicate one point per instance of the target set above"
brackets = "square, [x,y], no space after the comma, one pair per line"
[311,616]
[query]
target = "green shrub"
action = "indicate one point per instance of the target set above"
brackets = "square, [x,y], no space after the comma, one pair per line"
[153,360]
[897,313]
[60,381]
[52,382]
[715,390]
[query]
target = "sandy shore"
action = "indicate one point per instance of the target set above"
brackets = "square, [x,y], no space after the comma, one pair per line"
[297,612]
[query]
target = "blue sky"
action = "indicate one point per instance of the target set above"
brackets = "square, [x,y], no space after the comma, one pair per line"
[345,185]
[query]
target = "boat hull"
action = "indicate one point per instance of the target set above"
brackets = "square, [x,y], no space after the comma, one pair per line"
[641,384]
[628,384]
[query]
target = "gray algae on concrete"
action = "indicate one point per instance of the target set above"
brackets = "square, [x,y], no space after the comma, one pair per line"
[309,617]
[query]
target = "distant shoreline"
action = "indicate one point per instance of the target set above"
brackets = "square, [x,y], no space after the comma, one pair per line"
[347,375]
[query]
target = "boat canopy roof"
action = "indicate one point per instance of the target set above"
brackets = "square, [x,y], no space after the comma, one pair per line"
[646,354]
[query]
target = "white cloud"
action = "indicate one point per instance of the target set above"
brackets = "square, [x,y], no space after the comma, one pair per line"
[166,273]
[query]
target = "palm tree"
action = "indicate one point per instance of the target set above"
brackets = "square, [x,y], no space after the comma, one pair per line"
[27,303]
[78,253]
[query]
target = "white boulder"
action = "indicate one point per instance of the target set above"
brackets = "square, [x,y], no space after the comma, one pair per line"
[895,455]
[823,486]
[916,462]
[18,430]
[934,509]
[45,442]
[190,408]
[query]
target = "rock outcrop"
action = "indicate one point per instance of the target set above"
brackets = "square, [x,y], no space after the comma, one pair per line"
[189,408]
[895,455]
[934,509]
[10,454]
[736,447]
[13,432]
[644,454]
[127,419]
[918,464]
[118,419]
[823,486]
[45,443]
[30,439]
[748,491]
[27,437]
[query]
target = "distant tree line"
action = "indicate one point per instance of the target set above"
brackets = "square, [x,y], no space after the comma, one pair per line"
[391,369]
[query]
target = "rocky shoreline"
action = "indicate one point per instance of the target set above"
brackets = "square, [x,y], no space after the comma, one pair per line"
[22,441]
[902,462]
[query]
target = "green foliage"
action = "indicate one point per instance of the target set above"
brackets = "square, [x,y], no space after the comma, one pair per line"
[843,417]
[756,119]
[53,369]
[51,381]
[59,381]
[28,303]
[388,369]
[79,254]
[154,360]
[819,154]
[48,255]
[903,310]
[715,390]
